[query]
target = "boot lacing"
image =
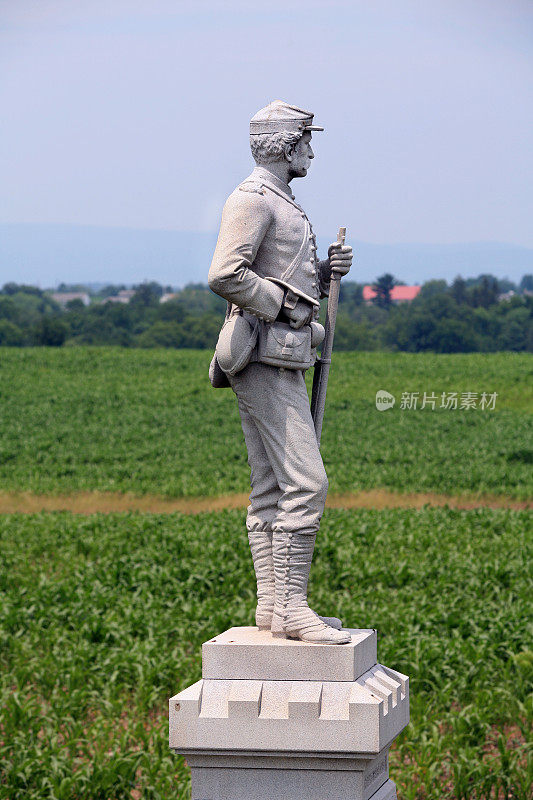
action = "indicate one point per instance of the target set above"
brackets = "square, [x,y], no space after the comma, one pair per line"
[297,616]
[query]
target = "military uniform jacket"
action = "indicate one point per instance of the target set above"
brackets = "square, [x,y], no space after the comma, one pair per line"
[265,246]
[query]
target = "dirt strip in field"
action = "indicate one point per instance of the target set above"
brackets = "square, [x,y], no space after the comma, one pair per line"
[107,502]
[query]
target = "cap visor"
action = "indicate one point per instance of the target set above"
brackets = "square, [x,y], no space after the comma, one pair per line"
[313,128]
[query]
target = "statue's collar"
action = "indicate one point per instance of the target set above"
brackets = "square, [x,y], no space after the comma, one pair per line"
[264,174]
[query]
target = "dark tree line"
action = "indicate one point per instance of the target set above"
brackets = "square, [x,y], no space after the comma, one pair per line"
[466,316]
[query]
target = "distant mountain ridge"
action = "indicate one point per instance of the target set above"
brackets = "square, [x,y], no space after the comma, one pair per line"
[46,255]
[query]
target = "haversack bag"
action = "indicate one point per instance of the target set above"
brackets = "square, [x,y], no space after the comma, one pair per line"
[236,342]
[282,346]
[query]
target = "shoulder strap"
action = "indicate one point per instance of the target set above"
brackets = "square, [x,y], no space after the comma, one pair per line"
[298,259]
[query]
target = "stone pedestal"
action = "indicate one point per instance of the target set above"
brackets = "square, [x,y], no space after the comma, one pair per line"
[277,719]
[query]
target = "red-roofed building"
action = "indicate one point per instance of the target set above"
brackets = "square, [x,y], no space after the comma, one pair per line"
[399,294]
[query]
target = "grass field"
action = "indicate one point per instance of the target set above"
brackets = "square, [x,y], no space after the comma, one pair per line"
[149,422]
[102,616]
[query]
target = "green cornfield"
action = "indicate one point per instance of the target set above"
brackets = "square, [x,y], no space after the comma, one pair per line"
[102,616]
[138,421]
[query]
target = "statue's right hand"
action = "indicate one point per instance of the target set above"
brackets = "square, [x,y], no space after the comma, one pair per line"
[300,315]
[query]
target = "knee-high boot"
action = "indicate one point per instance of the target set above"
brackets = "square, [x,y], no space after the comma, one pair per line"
[292,555]
[261,547]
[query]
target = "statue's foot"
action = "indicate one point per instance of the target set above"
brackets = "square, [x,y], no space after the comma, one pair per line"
[327,636]
[302,623]
[267,620]
[276,625]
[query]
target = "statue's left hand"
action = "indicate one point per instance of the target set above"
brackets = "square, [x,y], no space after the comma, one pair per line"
[340,258]
[300,315]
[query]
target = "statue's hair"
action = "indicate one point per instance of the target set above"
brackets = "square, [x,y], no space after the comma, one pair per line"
[269,147]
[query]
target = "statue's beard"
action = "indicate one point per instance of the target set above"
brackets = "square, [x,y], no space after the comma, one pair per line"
[299,172]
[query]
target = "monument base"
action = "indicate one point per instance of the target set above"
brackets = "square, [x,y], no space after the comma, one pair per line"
[280,777]
[276,719]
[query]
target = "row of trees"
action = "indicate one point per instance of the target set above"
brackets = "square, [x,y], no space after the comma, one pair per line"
[29,316]
[463,317]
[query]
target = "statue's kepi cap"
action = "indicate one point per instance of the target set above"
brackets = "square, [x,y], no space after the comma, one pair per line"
[279,116]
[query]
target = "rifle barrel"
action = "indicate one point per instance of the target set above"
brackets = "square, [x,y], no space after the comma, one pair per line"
[321,374]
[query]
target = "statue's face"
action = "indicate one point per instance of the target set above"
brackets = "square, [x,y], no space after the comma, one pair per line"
[300,157]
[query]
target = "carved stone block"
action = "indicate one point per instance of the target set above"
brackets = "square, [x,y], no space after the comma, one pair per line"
[293,733]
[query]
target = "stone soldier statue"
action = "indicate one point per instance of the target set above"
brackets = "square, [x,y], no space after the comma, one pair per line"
[265,265]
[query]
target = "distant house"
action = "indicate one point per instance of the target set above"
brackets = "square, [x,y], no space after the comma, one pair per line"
[65,297]
[506,296]
[124,296]
[399,294]
[168,296]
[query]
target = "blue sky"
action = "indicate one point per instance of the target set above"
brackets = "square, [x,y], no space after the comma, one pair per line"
[136,114]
